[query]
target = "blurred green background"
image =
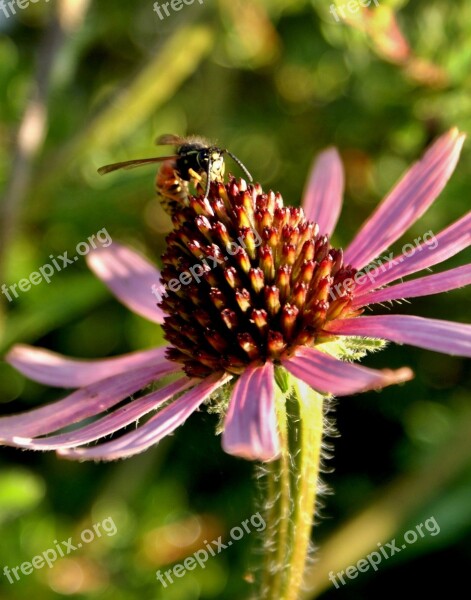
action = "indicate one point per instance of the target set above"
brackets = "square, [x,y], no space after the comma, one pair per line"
[85,83]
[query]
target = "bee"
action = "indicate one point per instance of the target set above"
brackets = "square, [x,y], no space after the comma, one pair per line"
[196,161]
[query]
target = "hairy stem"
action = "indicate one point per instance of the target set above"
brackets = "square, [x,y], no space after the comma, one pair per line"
[290,486]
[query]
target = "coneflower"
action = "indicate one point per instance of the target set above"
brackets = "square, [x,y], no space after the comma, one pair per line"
[262,316]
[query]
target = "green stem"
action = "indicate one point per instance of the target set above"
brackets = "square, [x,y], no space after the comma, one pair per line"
[290,487]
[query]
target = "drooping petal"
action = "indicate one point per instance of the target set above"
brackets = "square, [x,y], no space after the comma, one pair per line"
[162,424]
[81,404]
[332,376]
[108,424]
[322,197]
[423,286]
[408,200]
[432,334]
[131,278]
[250,427]
[54,369]
[433,251]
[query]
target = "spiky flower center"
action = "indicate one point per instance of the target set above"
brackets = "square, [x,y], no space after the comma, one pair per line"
[246,280]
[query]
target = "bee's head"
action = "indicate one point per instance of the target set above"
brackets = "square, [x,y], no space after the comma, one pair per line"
[198,158]
[216,166]
[193,157]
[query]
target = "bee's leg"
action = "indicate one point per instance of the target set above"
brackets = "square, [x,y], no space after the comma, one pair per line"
[195,175]
[198,180]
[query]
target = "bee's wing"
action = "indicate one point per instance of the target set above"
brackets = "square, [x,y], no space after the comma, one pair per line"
[168,139]
[131,164]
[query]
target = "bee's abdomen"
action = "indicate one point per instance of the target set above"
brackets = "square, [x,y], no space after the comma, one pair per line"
[171,190]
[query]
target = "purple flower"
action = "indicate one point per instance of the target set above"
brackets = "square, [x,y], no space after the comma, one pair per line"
[251,286]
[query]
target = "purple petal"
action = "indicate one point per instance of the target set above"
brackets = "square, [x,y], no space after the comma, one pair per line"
[324,191]
[108,424]
[60,371]
[432,334]
[250,427]
[131,278]
[423,286]
[162,424]
[332,376]
[409,199]
[436,250]
[81,404]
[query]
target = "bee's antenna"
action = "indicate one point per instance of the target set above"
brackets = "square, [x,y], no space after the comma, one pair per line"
[208,176]
[240,163]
